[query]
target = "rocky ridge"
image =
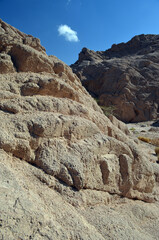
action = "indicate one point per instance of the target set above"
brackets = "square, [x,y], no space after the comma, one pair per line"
[125,76]
[62,160]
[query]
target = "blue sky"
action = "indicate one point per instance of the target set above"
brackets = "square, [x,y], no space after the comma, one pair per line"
[66,26]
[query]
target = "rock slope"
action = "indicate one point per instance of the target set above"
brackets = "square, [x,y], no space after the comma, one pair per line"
[125,76]
[62,160]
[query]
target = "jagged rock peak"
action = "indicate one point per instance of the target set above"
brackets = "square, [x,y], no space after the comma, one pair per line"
[10,35]
[20,52]
[125,76]
[140,44]
[88,55]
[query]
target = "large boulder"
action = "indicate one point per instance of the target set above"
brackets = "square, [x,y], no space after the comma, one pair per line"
[126,76]
[59,153]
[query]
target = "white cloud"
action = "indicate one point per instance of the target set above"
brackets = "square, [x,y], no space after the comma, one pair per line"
[69,34]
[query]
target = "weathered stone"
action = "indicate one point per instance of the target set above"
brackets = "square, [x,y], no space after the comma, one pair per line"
[6,64]
[60,155]
[27,59]
[124,76]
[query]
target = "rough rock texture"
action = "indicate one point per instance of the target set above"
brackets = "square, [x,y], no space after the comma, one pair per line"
[62,160]
[125,76]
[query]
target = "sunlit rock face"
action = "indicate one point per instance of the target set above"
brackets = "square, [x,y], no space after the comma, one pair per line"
[125,76]
[58,151]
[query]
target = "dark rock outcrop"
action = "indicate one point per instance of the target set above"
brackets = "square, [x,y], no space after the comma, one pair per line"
[125,76]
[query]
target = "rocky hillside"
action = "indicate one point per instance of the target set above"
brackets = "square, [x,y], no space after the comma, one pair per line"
[126,76]
[66,170]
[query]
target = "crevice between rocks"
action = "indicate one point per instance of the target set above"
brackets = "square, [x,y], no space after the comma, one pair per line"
[14,63]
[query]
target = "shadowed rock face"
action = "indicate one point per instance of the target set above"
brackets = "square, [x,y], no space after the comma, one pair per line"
[126,76]
[59,154]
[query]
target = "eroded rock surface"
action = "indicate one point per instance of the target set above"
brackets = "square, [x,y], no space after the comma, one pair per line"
[125,76]
[59,154]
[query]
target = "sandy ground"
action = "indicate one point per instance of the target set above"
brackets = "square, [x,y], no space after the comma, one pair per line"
[149,129]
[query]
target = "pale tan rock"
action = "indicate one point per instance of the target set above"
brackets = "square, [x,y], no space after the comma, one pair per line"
[119,124]
[27,59]
[66,112]
[11,35]
[39,207]
[6,64]
[60,155]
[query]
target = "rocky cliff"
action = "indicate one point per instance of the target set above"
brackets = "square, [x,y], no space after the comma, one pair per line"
[66,170]
[125,76]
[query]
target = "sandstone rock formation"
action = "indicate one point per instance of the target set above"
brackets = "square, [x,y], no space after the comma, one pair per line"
[125,76]
[62,160]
